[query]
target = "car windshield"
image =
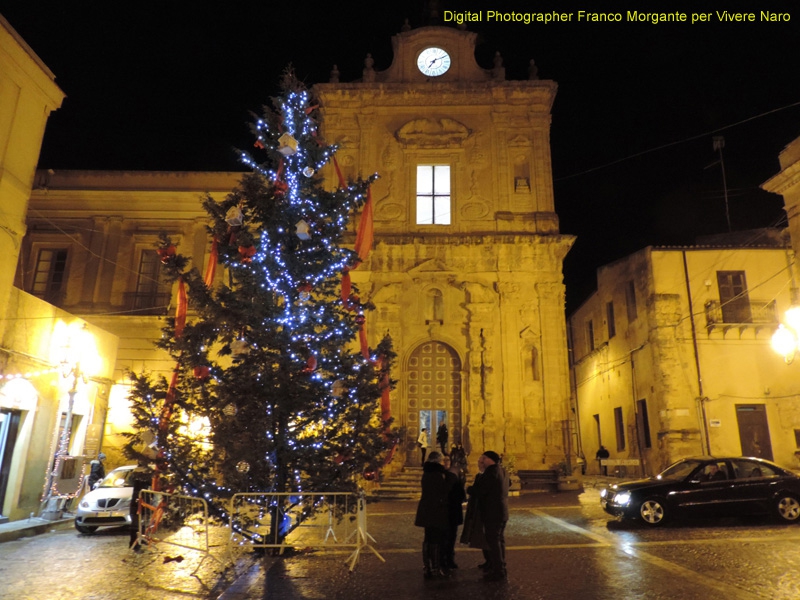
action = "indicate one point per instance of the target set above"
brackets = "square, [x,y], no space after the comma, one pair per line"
[679,471]
[118,478]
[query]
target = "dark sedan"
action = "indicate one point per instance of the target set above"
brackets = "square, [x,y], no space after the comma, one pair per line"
[708,486]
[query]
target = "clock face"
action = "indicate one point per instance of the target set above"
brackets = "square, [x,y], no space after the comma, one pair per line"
[433,62]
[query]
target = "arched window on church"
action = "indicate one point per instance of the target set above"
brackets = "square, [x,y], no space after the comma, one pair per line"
[434,311]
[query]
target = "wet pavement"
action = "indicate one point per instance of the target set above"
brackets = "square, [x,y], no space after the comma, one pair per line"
[560,546]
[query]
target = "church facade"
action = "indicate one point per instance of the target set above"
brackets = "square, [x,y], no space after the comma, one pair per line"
[466,269]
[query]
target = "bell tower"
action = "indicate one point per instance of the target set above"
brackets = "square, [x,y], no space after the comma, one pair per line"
[466,272]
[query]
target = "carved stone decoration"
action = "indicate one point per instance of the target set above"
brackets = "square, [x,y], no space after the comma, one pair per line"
[387,294]
[478,292]
[477,156]
[433,133]
[519,141]
[390,154]
[475,209]
[385,208]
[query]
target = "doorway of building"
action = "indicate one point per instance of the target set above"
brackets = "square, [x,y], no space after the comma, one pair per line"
[9,425]
[430,420]
[754,430]
[434,395]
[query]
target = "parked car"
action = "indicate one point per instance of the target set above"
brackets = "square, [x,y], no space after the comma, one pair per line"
[708,486]
[109,503]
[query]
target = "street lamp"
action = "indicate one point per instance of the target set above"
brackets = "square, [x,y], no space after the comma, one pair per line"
[786,340]
[75,352]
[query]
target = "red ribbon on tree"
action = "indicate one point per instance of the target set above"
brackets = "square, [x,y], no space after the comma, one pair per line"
[366,229]
[180,310]
[213,257]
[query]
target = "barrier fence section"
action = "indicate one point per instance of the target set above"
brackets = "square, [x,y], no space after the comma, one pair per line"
[174,520]
[307,520]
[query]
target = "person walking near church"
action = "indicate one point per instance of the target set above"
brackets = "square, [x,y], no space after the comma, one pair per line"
[422,441]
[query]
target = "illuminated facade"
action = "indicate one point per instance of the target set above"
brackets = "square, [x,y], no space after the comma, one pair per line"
[466,272]
[34,397]
[672,356]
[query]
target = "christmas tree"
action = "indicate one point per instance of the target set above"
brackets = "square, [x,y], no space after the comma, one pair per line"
[274,388]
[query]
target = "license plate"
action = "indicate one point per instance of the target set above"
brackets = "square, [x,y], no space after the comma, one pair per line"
[104,513]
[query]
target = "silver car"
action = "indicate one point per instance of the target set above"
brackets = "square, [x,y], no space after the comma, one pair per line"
[109,503]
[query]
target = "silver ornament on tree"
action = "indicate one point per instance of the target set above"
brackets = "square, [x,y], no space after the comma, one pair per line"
[303,231]
[234,217]
[287,145]
[308,171]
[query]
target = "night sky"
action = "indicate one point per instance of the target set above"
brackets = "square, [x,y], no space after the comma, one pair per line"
[169,85]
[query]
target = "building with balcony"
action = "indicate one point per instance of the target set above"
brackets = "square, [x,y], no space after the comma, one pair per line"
[671,355]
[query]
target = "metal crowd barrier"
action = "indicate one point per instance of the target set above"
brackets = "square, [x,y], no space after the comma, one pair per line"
[306,520]
[174,520]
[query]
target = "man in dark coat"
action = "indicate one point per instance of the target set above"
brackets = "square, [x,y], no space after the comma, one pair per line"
[432,513]
[442,436]
[455,514]
[602,454]
[491,492]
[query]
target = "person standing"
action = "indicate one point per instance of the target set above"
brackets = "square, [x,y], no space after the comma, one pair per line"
[455,513]
[459,461]
[97,471]
[491,493]
[602,454]
[432,513]
[442,436]
[422,441]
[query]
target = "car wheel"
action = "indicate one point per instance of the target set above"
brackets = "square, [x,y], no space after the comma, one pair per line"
[85,528]
[788,508]
[652,512]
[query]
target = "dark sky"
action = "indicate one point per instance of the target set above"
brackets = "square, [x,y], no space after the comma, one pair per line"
[168,85]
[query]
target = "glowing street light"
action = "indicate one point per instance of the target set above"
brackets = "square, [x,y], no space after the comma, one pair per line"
[786,340]
[76,353]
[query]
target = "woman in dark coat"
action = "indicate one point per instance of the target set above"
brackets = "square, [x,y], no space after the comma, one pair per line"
[433,513]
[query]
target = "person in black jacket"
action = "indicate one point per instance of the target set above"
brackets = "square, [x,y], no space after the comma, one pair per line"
[491,493]
[432,513]
[455,514]
[97,471]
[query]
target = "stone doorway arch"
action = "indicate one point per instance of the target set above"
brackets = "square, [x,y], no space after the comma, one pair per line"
[434,393]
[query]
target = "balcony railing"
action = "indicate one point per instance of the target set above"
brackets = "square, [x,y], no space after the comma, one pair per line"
[148,303]
[741,313]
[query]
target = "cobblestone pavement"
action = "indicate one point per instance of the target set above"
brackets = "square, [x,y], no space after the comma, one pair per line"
[559,547]
[65,565]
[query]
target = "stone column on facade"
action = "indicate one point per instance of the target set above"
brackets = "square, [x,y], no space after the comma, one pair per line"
[97,238]
[480,425]
[513,413]
[555,367]
[105,280]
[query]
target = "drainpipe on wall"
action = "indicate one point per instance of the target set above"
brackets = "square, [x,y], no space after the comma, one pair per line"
[700,396]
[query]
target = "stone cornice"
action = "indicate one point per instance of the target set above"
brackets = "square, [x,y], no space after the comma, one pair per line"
[783,181]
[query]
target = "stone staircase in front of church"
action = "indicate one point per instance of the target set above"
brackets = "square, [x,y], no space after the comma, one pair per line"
[403,485]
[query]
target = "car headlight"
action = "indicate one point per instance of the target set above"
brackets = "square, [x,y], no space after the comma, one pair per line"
[604,492]
[84,504]
[622,498]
